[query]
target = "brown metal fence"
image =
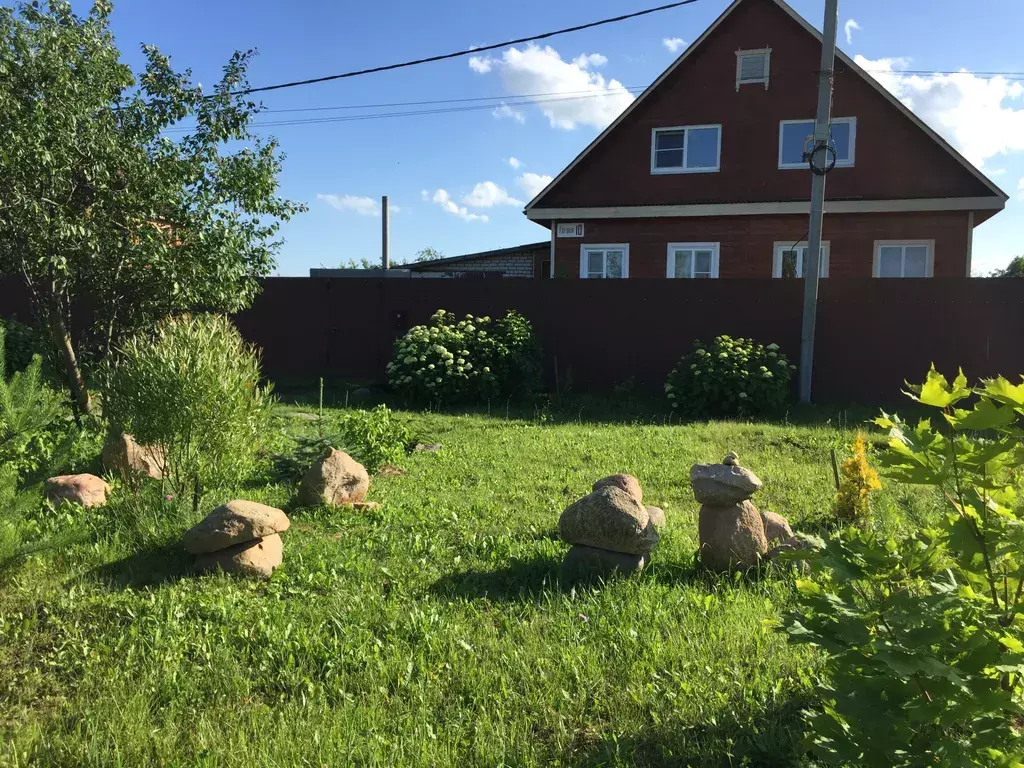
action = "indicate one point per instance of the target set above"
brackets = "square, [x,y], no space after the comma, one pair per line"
[872,334]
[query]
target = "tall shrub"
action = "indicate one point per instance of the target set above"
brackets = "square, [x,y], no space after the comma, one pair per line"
[193,388]
[729,377]
[923,639]
[471,360]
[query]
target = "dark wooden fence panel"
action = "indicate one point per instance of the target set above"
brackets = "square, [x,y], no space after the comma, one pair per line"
[872,334]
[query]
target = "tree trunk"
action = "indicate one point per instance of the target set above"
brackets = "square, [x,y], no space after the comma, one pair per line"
[62,338]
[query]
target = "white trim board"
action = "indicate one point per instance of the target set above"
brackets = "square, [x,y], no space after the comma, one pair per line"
[817,36]
[769,209]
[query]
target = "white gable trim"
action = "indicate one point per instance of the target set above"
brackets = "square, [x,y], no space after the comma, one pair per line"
[769,209]
[817,36]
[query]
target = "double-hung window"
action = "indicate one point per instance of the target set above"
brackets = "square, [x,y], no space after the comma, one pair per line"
[790,259]
[686,149]
[604,261]
[796,137]
[692,260]
[904,258]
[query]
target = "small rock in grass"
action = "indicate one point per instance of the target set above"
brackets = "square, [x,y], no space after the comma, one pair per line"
[427,448]
[627,483]
[87,490]
[721,485]
[234,523]
[609,518]
[390,470]
[732,459]
[121,454]
[731,536]
[657,516]
[776,527]
[583,564]
[363,506]
[258,557]
[337,479]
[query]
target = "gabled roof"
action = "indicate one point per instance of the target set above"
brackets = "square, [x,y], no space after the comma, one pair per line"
[853,66]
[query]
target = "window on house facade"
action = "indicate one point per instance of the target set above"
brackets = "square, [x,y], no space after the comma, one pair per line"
[692,260]
[686,149]
[604,261]
[752,67]
[789,260]
[795,137]
[899,258]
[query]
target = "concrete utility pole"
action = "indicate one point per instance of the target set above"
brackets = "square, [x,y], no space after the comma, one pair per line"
[385,232]
[820,154]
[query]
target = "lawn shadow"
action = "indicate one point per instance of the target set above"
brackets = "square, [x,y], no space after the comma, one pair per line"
[770,738]
[524,579]
[153,566]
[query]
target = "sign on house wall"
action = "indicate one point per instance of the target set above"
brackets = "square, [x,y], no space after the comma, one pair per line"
[570,230]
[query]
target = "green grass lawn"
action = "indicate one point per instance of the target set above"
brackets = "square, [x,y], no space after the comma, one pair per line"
[430,632]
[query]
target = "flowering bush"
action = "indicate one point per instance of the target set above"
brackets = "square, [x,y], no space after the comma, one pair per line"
[729,377]
[471,360]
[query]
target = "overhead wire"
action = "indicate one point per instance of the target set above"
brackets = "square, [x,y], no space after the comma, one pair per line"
[467,51]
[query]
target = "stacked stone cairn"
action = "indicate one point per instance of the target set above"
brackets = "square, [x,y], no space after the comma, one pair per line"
[610,531]
[337,480]
[240,537]
[734,535]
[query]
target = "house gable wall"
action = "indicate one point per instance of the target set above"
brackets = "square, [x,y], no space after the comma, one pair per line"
[895,159]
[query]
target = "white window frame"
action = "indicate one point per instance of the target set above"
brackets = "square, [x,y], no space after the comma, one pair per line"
[585,249]
[782,245]
[839,163]
[767,53]
[686,144]
[670,261]
[929,264]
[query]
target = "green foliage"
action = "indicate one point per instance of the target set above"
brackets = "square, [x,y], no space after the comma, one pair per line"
[101,202]
[729,377]
[466,361]
[193,388]
[21,343]
[925,637]
[376,436]
[428,254]
[30,415]
[1014,269]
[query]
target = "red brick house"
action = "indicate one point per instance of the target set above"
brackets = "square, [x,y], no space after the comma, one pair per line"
[703,175]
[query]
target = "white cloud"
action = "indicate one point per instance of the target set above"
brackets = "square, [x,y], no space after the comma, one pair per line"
[364,206]
[982,117]
[515,162]
[849,27]
[487,194]
[587,60]
[1020,189]
[673,43]
[591,99]
[506,111]
[480,64]
[533,183]
[442,198]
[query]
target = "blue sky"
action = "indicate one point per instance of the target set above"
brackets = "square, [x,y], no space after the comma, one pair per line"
[449,174]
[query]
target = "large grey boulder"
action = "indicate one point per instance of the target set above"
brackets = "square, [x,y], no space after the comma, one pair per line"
[731,537]
[234,523]
[258,557]
[776,527]
[721,484]
[336,480]
[87,490]
[624,482]
[583,564]
[609,518]
[125,457]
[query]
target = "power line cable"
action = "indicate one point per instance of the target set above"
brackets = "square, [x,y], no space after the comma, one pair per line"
[467,52]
